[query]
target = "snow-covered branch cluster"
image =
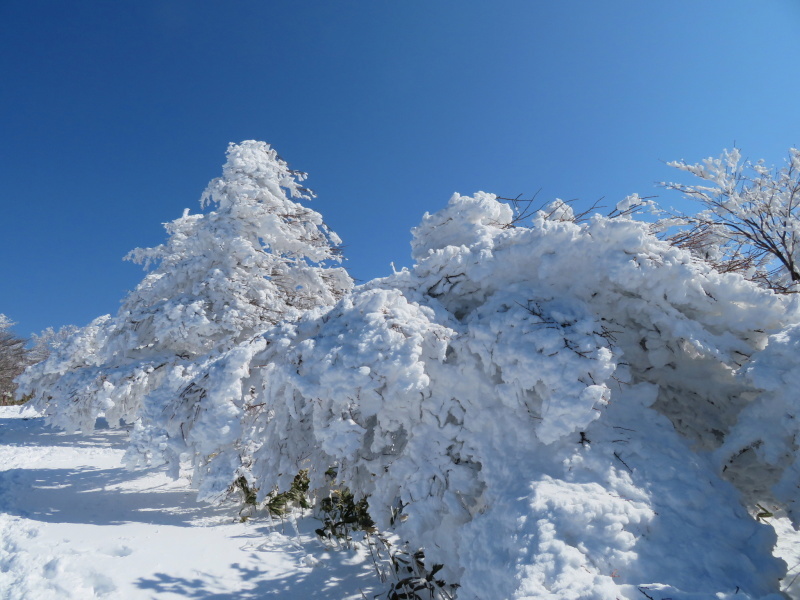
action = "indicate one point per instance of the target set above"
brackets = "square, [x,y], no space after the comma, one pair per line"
[548,410]
[750,217]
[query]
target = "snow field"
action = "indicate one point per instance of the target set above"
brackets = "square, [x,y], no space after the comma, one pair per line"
[74,525]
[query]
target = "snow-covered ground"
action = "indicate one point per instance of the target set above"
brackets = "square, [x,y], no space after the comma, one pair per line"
[789,550]
[75,524]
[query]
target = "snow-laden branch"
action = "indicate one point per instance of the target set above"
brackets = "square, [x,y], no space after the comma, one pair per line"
[750,221]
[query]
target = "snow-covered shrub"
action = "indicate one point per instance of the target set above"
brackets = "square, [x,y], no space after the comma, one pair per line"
[533,406]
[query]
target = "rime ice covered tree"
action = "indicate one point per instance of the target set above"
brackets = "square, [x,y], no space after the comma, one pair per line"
[750,217]
[71,385]
[255,259]
[549,410]
[750,224]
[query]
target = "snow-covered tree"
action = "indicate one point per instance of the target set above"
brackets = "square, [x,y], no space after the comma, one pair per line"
[554,410]
[761,454]
[48,341]
[257,259]
[69,386]
[221,277]
[750,224]
[750,217]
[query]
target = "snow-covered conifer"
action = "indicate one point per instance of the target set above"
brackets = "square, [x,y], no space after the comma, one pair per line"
[256,259]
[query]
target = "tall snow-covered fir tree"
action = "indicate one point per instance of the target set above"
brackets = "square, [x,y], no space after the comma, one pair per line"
[257,258]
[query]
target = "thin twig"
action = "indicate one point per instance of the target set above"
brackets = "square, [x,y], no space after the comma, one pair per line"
[623,462]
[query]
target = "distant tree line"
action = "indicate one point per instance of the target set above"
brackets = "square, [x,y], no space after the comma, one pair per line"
[13,360]
[18,353]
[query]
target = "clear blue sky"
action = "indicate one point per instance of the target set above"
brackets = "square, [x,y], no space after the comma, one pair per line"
[115,115]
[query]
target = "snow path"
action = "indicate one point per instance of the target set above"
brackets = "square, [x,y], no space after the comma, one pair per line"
[74,524]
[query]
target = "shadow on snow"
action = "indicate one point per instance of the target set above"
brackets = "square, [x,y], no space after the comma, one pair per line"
[329,581]
[82,496]
[32,432]
[89,495]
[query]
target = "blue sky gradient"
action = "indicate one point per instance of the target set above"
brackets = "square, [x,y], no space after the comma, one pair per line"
[115,115]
